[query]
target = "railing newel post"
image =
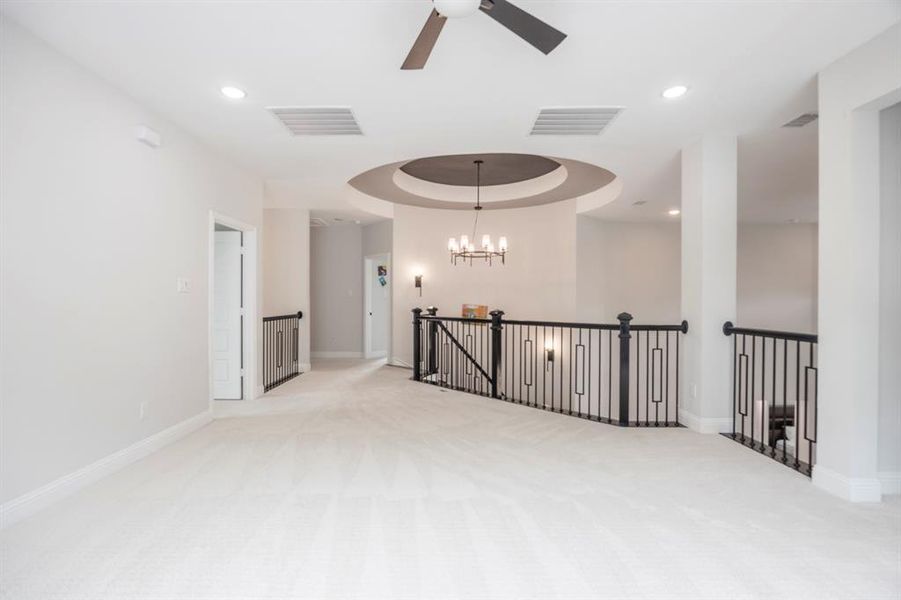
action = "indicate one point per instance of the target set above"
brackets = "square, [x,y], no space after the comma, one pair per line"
[496,340]
[417,340]
[432,341]
[624,344]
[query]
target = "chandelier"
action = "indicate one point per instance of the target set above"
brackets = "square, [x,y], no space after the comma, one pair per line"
[466,249]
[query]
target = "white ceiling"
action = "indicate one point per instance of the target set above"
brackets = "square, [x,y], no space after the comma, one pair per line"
[751,66]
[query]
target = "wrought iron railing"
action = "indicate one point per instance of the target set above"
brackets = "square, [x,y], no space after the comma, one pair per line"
[614,373]
[280,349]
[774,394]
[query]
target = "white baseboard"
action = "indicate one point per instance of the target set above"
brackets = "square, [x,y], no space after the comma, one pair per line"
[305,367]
[336,354]
[396,362]
[26,505]
[705,424]
[890,482]
[847,488]
[381,354]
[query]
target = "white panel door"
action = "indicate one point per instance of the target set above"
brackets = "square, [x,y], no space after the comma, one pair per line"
[227,316]
[380,298]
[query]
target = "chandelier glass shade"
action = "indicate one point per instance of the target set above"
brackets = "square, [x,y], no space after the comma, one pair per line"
[466,249]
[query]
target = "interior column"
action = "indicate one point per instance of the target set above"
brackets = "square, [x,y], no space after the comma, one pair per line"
[709,230]
[852,91]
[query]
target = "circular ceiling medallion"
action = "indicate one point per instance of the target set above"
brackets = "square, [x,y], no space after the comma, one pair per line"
[497,169]
[507,181]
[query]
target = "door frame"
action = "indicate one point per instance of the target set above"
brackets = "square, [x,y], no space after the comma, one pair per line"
[250,287]
[368,263]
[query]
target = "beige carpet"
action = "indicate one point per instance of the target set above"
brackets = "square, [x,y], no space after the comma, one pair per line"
[353,482]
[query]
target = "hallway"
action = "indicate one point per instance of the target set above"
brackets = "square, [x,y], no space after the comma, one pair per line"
[352,481]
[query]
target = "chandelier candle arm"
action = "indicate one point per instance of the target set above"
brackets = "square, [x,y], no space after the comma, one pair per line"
[466,249]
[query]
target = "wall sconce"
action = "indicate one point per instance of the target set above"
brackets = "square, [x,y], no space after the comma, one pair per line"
[549,353]
[417,283]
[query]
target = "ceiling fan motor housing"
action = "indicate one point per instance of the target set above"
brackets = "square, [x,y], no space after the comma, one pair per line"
[453,9]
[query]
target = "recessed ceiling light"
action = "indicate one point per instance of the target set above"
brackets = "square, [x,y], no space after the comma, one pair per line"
[232,92]
[673,212]
[677,91]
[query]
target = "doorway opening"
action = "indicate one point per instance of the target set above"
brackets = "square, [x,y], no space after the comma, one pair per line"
[232,294]
[376,305]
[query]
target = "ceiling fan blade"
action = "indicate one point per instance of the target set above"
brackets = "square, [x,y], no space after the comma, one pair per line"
[531,29]
[423,45]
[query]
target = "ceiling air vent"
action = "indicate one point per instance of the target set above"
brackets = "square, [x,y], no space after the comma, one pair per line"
[802,120]
[318,222]
[574,120]
[317,120]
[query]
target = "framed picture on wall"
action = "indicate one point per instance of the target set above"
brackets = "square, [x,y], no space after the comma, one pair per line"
[475,311]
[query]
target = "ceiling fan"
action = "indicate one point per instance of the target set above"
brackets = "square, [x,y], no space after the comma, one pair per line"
[533,30]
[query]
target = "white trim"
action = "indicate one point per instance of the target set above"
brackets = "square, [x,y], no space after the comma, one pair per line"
[856,489]
[305,367]
[399,362]
[705,424]
[890,482]
[26,505]
[336,354]
[251,316]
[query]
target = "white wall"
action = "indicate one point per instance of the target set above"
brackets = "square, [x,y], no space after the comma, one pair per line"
[377,238]
[889,464]
[336,290]
[96,228]
[632,267]
[538,281]
[777,277]
[636,267]
[286,269]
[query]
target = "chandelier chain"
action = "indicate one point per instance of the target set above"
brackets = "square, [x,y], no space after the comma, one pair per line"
[475,224]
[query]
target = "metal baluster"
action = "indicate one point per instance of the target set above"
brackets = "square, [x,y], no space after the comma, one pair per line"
[773,406]
[797,404]
[784,394]
[610,376]
[762,392]
[753,384]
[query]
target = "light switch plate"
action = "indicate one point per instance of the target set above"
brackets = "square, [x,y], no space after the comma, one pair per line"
[183,285]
